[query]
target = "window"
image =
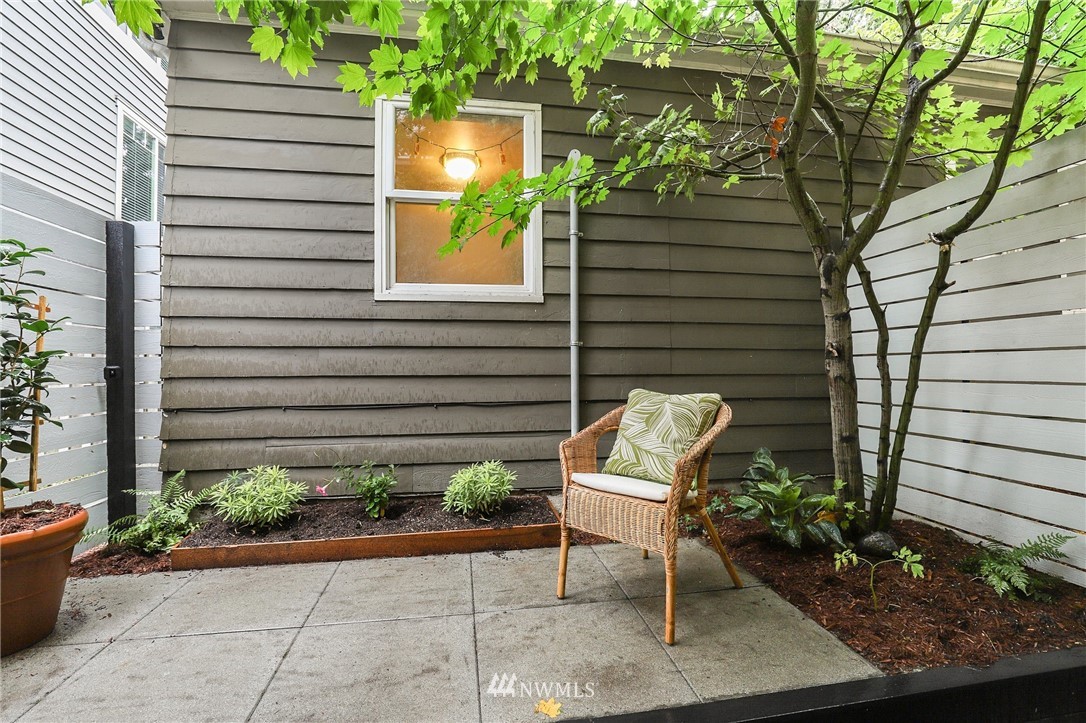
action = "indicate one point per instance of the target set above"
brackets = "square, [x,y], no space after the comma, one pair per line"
[421,162]
[141,172]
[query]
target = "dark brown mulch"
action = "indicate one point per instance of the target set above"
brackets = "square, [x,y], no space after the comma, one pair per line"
[35,515]
[117,560]
[947,618]
[331,518]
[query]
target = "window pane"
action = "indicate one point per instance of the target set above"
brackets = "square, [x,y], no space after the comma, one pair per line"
[138,170]
[495,143]
[420,230]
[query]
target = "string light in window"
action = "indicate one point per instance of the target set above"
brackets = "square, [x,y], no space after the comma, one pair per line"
[461,163]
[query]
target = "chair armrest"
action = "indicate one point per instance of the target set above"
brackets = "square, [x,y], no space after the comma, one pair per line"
[697,456]
[578,453]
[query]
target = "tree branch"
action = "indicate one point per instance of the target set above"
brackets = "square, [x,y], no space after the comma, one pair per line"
[882,361]
[804,59]
[945,240]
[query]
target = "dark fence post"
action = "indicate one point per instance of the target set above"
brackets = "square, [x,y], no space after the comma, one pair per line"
[120,370]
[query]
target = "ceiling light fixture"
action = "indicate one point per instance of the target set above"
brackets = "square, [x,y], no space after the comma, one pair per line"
[459,164]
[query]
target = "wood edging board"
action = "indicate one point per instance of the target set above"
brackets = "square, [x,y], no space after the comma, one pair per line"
[409,544]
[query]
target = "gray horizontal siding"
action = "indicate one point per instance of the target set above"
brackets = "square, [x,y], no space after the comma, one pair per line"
[63,76]
[275,351]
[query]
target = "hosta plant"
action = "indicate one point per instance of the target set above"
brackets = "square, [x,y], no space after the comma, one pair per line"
[166,523]
[1004,568]
[373,489]
[258,497]
[772,496]
[479,489]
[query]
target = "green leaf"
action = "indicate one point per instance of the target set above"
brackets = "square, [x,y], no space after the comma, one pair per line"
[141,15]
[353,78]
[931,62]
[266,43]
[444,105]
[389,17]
[297,57]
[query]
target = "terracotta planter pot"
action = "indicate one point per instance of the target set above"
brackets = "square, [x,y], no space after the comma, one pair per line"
[33,569]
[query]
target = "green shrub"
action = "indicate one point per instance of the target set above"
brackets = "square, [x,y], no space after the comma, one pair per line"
[372,489]
[1004,568]
[164,525]
[479,489]
[769,494]
[258,497]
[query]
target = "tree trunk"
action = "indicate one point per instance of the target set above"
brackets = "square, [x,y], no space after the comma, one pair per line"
[841,376]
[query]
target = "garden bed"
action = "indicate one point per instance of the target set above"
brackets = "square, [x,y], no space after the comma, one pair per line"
[947,618]
[327,530]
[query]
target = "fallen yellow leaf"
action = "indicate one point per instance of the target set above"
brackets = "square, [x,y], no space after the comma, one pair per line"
[549,708]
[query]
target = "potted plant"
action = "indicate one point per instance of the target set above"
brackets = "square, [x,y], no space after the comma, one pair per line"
[36,541]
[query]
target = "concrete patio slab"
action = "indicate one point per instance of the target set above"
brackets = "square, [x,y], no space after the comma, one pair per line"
[421,669]
[400,587]
[604,648]
[528,578]
[418,639]
[102,608]
[699,570]
[192,678]
[743,642]
[238,599]
[27,676]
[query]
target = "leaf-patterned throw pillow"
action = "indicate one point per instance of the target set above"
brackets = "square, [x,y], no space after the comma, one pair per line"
[656,430]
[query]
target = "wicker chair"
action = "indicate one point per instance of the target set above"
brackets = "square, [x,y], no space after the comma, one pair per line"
[650,525]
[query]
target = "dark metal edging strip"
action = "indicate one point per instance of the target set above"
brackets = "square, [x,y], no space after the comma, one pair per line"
[1041,687]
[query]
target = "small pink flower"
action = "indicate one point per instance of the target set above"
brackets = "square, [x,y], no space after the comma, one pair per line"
[323,491]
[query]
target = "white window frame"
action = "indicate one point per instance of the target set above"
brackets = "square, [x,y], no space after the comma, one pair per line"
[385,286]
[123,112]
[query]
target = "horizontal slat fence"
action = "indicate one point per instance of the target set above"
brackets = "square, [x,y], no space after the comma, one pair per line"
[998,437]
[148,347]
[72,461]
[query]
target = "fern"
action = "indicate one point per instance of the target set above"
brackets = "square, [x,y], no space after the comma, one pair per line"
[165,524]
[1004,568]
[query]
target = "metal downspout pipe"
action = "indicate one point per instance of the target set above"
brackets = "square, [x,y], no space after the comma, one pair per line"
[574,302]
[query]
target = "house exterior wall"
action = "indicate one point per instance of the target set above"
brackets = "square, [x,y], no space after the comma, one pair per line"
[275,351]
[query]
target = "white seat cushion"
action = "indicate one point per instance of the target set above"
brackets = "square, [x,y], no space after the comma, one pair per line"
[629,486]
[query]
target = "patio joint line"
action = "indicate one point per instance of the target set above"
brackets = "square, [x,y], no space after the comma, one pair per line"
[108,643]
[333,623]
[290,645]
[648,628]
[475,640]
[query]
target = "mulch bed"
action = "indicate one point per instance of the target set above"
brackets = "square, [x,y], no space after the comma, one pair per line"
[319,520]
[948,618]
[332,518]
[117,560]
[35,515]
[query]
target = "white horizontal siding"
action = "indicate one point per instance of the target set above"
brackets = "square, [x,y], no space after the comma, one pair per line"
[63,75]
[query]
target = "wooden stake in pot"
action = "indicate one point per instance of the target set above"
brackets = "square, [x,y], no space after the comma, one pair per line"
[35,428]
